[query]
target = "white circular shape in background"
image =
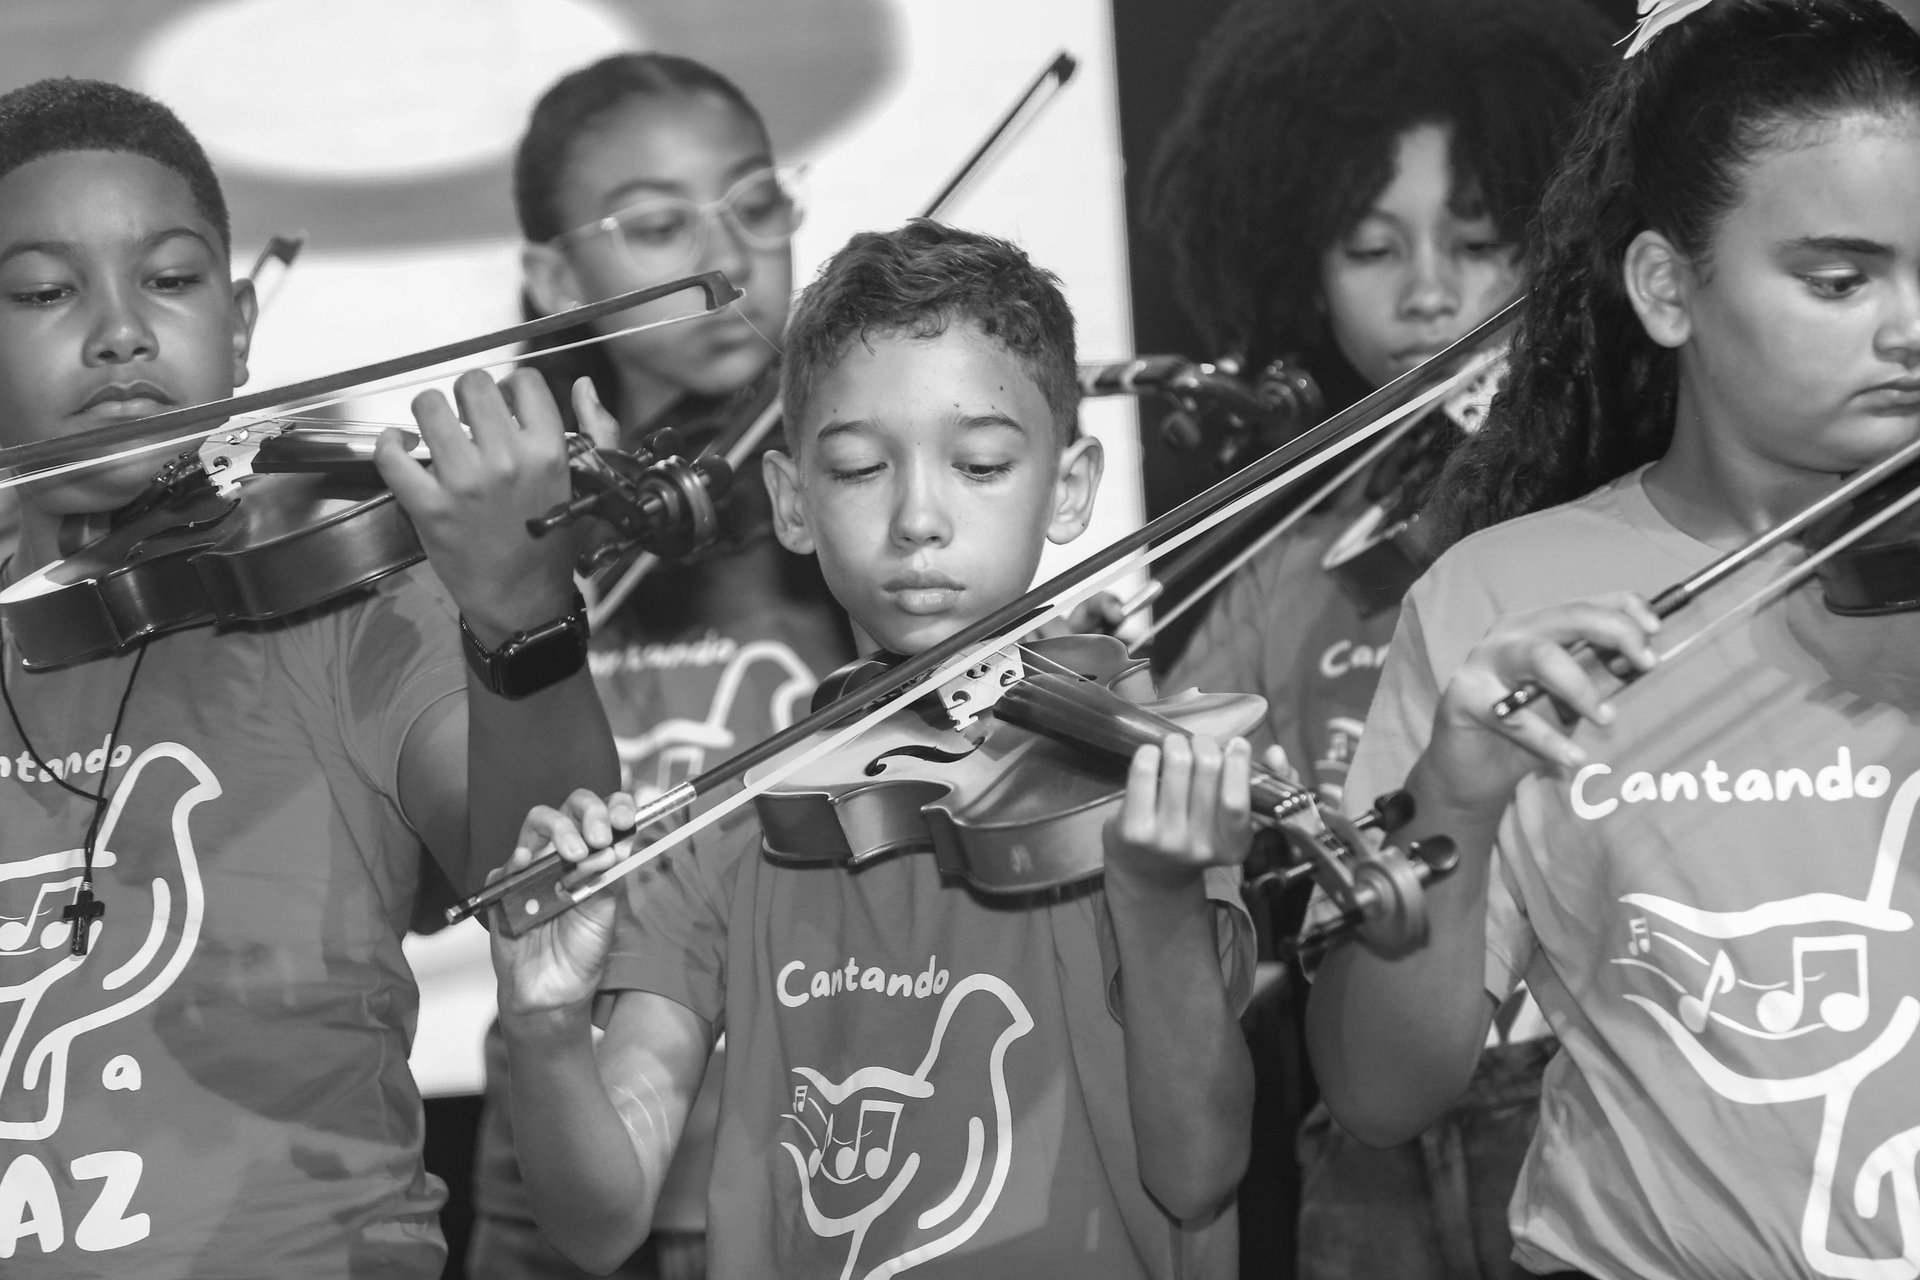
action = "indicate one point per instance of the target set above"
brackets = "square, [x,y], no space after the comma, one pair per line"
[368,89]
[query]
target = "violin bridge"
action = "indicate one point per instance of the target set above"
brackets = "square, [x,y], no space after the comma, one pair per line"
[974,691]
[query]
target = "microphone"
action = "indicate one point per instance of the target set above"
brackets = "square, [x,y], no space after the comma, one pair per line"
[1137,376]
[1291,397]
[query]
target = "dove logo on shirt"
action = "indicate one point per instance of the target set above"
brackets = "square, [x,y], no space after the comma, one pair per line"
[898,1161]
[132,958]
[1771,1004]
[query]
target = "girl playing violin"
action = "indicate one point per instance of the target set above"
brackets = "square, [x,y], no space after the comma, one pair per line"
[1413,140]
[1701,876]
[635,170]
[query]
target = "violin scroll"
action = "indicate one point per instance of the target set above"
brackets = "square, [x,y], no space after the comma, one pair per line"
[657,498]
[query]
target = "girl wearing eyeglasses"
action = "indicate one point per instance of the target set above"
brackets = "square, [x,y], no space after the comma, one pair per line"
[637,170]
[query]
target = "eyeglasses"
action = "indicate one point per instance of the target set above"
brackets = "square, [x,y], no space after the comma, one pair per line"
[663,235]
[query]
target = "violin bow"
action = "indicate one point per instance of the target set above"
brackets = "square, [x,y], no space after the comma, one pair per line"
[42,458]
[537,892]
[1397,424]
[271,267]
[738,446]
[1683,593]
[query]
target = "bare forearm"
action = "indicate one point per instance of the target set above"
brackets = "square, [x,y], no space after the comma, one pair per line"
[527,752]
[1189,1076]
[590,1193]
[1395,1039]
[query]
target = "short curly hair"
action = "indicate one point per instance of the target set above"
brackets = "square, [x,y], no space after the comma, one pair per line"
[49,117]
[917,280]
[1289,129]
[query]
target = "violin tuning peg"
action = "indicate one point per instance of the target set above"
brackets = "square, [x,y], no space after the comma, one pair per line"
[1390,812]
[1437,853]
[665,443]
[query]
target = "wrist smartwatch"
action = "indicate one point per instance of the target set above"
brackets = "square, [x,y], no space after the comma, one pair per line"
[529,661]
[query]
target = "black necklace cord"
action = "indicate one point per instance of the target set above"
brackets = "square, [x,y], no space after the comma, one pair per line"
[85,907]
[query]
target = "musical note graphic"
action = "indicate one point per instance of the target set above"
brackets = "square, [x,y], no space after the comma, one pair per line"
[16,936]
[1640,940]
[1694,1009]
[1842,1010]
[878,1155]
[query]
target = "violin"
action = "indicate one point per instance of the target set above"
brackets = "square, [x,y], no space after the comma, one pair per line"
[1008,774]
[1369,886]
[265,521]
[1377,559]
[260,521]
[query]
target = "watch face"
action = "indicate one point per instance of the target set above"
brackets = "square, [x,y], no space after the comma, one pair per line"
[529,662]
[543,659]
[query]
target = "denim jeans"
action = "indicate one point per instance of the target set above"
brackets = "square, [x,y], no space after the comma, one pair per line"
[1431,1209]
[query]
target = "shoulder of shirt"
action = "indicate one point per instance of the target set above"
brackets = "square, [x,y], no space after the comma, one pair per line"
[1527,561]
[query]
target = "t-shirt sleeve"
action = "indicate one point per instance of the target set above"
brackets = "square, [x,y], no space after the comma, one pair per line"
[670,932]
[1234,941]
[1233,934]
[401,656]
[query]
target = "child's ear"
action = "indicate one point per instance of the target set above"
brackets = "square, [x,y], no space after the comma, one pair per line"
[550,282]
[782,476]
[1081,465]
[1657,276]
[246,310]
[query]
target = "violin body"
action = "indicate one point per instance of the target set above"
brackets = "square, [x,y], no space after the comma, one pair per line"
[296,542]
[998,805]
[1880,573]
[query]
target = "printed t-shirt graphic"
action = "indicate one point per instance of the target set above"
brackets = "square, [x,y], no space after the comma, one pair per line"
[219,1087]
[939,1078]
[1715,913]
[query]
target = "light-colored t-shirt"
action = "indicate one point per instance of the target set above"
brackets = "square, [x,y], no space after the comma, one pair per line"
[219,1088]
[916,1075]
[1714,914]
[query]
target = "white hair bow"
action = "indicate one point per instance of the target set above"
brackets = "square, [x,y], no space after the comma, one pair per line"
[1656,16]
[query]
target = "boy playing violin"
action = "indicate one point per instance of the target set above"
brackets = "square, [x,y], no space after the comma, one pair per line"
[918,1075]
[229,819]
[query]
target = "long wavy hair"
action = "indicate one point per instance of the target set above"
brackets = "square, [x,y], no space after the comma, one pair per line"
[1289,131]
[1663,146]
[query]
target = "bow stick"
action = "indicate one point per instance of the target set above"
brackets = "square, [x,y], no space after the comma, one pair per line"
[738,447]
[536,892]
[271,267]
[1397,425]
[42,458]
[1679,595]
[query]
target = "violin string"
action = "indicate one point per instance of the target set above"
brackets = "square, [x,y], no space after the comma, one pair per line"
[1056,607]
[602,605]
[1401,420]
[199,434]
[1034,658]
